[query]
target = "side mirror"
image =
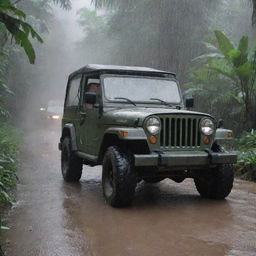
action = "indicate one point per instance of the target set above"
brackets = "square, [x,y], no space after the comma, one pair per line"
[190,103]
[90,98]
[220,123]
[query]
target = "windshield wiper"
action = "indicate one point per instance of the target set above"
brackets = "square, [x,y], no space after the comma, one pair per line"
[128,100]
[162,101]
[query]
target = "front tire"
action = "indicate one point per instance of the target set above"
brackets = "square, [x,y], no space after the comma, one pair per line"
[216,183]
[71,165]
[118,177]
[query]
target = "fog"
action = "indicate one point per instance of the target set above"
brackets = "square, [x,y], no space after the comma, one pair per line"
[60,56]
[56,58]
[54,217]
[165,35]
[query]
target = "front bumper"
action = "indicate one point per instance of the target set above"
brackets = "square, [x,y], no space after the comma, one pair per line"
[185,159]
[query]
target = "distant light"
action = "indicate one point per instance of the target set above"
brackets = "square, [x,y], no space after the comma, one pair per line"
[55,117]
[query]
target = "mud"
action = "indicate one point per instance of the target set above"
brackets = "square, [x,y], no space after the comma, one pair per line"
[52,218]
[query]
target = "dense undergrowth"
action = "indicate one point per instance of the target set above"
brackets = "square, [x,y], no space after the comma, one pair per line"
[10,140]
[246,147]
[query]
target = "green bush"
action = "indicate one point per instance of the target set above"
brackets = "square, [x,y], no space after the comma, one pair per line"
[246,146]
[9,144]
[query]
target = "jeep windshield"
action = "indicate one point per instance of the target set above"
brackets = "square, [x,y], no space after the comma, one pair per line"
[141,89]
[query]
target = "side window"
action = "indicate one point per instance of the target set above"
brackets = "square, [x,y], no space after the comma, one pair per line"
[92,85]
[73,96]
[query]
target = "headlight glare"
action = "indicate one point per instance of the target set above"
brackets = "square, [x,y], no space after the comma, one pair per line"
[153,125]
[56,117]
[207,127]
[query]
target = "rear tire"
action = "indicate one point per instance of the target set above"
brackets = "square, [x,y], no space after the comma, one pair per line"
[71,165]
[216,183]
[118,177]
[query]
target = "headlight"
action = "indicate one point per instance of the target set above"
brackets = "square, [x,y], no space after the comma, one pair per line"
[207,127]
[153,125]
[56,117]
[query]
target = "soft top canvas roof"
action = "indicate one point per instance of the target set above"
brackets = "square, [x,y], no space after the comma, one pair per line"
[119,69]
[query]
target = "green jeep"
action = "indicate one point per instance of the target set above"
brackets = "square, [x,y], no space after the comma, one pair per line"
[133,122]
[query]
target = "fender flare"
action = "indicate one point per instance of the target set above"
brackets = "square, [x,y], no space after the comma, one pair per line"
[69,129]
[223,134]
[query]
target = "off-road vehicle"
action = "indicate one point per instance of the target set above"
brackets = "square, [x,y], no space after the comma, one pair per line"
[133,122]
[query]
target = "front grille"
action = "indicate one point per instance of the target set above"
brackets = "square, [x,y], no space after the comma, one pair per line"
[180,132]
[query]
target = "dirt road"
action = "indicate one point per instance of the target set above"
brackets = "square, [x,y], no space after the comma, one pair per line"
[52,218]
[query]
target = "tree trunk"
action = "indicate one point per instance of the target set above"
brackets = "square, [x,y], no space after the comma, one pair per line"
[254,13]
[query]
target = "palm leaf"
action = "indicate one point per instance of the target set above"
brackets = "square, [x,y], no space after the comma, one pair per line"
[7,8]
[18,28]
[21,31]
[245,71]
[243,45]
[224,43]
[209,55]
[227,74]
[210,46]
[65,4]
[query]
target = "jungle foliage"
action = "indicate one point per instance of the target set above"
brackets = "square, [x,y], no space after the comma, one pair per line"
[230,69]
[9,145]
[14,22]
[246,146]
[134,33]
[19,22]
[118,3]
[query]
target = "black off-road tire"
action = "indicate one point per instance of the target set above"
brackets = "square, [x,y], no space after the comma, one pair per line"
[71,165]
[216,183]
[118,177]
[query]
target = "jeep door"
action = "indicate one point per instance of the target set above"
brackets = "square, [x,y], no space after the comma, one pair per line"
[72,102]
[89,118]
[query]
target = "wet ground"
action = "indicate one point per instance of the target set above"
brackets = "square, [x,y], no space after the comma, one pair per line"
[52,218]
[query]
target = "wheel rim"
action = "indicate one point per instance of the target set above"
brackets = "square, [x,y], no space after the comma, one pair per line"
[109,179]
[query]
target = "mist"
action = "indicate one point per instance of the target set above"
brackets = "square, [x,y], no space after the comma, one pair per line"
[128,143]
[166,35]
[56,58]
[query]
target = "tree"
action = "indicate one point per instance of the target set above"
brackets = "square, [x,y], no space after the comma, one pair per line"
[111,3]
[14,21]
[163,34]
[235,64]
[14,18]
[254,12]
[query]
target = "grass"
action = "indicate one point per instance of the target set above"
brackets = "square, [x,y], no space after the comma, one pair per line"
[10,140]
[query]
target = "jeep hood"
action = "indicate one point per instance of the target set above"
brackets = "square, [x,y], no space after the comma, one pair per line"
[127,116]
